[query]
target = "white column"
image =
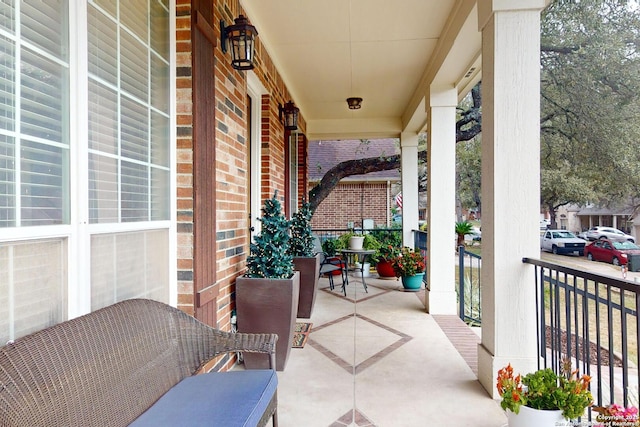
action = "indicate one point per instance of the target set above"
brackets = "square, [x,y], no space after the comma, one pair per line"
[409,168]
[510,184]
[441,171]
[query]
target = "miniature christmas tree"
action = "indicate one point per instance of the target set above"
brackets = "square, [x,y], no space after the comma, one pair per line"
[301,244]
[269,253]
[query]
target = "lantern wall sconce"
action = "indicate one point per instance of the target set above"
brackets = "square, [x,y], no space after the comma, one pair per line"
[290,114]
[241,38]
[354,103]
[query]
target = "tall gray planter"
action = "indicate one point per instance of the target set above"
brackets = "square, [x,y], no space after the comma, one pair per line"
[268,306]
[309,268]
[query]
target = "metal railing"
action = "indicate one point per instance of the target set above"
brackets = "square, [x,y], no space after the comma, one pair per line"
[593,321]
[469,286]
[333,233]
[469,289]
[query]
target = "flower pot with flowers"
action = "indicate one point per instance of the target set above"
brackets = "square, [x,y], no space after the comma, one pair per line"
[383,257]
[616,415]
[409,265]
[543,398]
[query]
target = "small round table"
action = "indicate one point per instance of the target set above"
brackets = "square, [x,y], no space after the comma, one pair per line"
[356,254]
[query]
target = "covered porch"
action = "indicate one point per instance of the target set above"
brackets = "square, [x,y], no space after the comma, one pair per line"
[412,63]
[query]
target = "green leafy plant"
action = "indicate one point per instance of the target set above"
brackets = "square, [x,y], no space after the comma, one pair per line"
[301,243]
[385,253]
[342,242]
[330,247]
[269,253]
[544,389]
[462,229]
[408,263]
[369,243]
[390,243]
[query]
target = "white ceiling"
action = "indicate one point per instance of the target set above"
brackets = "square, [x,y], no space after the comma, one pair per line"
[386,52]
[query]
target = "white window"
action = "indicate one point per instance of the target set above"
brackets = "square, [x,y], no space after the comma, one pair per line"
[85,197]
[34,119]
[33,292]
[128,112]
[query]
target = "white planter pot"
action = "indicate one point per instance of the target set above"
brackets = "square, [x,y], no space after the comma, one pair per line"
[355,242]
[358,273]
[528,417]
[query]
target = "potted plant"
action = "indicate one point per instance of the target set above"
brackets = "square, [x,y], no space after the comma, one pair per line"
[383,257]
[330,247]
[369,243]
[390,243]
[350,240]
[617,415]
[356,241]
[305,260]
[267,295]
[462,229]
[543,396]
[409,265]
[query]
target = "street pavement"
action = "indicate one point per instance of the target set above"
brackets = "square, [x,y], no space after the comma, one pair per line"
[582,263]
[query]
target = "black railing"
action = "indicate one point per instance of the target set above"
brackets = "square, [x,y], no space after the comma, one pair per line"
[469,289]
[593,321]
[330,233]
[333,233]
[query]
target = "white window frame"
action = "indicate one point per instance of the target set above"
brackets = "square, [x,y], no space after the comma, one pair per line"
[255,90]
[78,232]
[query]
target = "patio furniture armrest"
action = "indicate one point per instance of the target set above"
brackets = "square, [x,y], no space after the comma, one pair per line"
[252,343]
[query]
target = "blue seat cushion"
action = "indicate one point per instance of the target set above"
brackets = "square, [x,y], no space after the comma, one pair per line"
[229,399]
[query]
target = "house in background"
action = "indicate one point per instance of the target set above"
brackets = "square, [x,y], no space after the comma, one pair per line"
[359,197]
[581,218]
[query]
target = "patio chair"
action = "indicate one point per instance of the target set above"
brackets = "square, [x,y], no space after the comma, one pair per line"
[329,264]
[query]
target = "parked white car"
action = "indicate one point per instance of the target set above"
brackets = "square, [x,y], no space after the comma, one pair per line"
[562,242]
[600,232]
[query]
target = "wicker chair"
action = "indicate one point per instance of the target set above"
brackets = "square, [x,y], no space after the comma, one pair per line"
[109,367]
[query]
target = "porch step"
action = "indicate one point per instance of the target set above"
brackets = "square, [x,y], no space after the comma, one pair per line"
[462,337]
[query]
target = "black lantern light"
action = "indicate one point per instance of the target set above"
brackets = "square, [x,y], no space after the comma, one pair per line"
[354,103]
[290,113]
[241,37]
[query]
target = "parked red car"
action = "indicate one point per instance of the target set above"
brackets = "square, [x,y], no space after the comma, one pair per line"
[613,251]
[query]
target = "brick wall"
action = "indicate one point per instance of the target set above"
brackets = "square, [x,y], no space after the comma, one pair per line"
[352,202]
[184,156]
[231,168]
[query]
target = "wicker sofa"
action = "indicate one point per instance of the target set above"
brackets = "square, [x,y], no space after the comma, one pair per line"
[134,363]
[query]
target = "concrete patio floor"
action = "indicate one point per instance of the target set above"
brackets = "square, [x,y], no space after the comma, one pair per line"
[377,359]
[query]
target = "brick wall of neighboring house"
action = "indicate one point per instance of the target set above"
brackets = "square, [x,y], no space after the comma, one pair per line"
[352,202]
[230,170]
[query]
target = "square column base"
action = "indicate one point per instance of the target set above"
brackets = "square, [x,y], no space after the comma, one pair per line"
[441,302]
[489,365]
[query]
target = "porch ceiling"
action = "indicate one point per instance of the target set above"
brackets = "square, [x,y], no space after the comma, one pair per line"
[387,52]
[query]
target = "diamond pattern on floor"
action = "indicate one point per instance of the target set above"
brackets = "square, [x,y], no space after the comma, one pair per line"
[376,342]
[353,417]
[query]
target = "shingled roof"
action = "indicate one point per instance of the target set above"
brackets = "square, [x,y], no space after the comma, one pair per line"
[323,155]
